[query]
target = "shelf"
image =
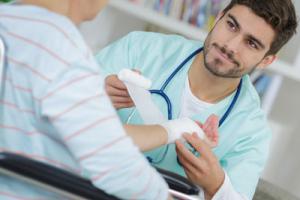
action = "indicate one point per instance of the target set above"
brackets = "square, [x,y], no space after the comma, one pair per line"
[285,69]
[158,19]
[177,26]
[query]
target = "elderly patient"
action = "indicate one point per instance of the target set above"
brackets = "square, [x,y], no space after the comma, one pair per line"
[53,106]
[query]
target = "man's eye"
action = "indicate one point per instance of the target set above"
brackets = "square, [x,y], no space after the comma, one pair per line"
[252,44]
[231,25]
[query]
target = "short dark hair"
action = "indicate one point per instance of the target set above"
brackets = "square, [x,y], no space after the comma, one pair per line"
[280,14]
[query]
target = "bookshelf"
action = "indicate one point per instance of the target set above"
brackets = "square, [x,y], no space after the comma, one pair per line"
[279,67]
[158,19]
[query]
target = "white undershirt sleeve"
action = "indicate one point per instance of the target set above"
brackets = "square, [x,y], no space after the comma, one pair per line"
[225,192]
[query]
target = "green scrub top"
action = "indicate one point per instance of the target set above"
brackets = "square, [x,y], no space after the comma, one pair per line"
[244,136]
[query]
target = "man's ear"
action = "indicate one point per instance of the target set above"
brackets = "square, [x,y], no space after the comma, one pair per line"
[267,61]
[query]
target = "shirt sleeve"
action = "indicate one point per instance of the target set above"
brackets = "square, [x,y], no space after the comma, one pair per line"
[246,159]
[79,110]
[117,56]
[226,192]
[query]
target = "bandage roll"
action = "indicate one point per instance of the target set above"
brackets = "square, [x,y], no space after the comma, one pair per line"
[137,86]
[129,76]
[175,128]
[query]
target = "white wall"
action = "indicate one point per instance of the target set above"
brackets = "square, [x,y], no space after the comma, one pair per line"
[291,52]
[108,26]
[284,162]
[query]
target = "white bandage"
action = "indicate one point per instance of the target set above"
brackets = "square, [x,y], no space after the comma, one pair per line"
[175,128]
[129,76]
[137,86]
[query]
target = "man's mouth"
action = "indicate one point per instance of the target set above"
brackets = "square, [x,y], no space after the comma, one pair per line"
[224,55]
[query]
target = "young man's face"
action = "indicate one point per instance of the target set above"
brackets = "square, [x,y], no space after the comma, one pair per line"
[238,43]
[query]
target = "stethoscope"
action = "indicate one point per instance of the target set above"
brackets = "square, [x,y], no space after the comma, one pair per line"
[161,93]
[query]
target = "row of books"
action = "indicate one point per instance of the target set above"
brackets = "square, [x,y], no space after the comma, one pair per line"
[200,13]
[261,82]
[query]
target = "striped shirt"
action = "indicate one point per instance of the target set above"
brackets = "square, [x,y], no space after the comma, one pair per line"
[53,108]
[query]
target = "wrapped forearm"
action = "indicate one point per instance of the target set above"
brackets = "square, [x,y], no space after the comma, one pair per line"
[175,128]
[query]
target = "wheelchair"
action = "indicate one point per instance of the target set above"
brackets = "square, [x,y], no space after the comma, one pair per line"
[73,186]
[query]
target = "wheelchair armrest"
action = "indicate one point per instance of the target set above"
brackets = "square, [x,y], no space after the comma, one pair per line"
[72,184]
[178,183]
[57,179]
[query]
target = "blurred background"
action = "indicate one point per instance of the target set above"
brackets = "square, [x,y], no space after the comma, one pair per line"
[278,86]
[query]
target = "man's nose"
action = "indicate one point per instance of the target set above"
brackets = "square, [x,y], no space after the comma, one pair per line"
[233,44]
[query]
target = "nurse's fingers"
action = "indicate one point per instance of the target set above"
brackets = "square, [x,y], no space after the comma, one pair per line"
[211,122]
[123,105]
[112,91]
[210,128]
[120,99]
[187,165]
[188,158]
[114,81]
[199,144]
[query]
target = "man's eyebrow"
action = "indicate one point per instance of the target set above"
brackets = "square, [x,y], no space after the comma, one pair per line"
[234,20]
[251,37]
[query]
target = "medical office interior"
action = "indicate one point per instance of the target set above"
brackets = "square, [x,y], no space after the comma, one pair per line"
[278,86]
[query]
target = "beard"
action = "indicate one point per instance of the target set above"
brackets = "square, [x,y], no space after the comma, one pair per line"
[215,66]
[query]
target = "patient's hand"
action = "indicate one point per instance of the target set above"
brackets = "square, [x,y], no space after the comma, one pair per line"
[210,128]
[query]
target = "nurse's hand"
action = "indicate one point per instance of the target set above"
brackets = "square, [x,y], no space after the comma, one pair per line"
[210,128]
[204,171]
[118,92]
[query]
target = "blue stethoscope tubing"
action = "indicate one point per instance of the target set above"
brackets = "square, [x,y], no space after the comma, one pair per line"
[161,93]
[168,80]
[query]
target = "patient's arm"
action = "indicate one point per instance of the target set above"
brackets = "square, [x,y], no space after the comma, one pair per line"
[147,137]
